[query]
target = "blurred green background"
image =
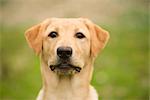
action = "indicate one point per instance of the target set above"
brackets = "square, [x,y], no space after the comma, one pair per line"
[121,70]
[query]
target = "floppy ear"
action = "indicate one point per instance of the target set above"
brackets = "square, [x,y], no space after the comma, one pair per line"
[99,37]
[98,40]
[34,36]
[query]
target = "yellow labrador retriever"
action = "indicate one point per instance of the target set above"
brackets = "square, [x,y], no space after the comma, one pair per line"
[67,50]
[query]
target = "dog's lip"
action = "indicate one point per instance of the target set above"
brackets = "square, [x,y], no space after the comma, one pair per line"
[65,66]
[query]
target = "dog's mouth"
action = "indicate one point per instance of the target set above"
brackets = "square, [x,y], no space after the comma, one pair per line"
[65,68]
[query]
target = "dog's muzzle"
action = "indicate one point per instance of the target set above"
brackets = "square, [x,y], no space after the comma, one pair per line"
[64,65]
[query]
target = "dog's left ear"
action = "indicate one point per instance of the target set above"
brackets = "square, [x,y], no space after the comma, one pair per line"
[99,37]
[34,36]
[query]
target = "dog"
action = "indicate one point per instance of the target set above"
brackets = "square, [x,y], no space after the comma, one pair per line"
[67,48]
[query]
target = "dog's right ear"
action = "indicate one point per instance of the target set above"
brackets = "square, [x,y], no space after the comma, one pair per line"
[99,37]
[34,36]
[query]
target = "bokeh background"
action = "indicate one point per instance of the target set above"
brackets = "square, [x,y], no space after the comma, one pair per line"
[121,70]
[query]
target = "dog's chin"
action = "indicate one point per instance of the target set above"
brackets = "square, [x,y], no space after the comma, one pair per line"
[65,69]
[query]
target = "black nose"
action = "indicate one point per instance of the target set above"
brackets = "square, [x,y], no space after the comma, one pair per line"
[64,52]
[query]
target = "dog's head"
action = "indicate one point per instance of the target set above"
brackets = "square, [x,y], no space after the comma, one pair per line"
[67,45]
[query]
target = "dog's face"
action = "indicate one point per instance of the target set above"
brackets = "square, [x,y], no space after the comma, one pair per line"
[67,45]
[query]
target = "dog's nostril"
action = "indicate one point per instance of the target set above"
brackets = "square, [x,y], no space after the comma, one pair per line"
[64,52]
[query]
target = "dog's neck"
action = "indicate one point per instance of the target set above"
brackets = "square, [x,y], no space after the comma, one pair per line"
[55,86]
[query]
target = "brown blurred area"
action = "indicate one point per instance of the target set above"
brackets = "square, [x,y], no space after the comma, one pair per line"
[100,11]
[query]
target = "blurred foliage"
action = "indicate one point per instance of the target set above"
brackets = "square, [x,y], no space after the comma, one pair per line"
[121,70]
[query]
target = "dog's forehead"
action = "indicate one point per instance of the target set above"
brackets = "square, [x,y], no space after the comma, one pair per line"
[68,25]
[71,22]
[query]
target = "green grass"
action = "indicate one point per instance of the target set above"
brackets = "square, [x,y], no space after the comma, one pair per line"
[121,70]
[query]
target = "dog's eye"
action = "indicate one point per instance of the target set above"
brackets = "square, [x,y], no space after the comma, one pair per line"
[79,35]
[53,34]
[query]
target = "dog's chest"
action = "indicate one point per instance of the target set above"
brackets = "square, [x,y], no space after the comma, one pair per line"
[63,93]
